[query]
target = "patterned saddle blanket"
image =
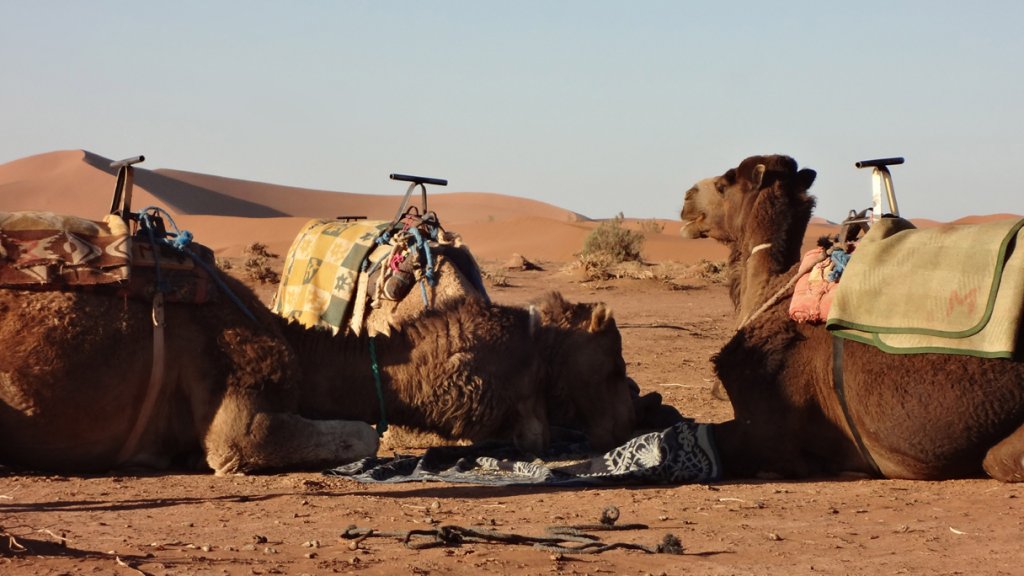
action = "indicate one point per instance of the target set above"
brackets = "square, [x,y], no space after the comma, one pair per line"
[48,251]
[43,249]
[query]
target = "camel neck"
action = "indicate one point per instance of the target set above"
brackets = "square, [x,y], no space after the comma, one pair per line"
[337,379]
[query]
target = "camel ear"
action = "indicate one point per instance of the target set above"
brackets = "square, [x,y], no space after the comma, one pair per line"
[600,318]
[757,176]
[806,177]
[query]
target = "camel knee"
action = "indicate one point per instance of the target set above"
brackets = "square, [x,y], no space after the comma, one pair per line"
[1005,461]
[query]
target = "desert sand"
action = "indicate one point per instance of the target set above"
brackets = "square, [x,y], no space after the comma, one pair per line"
[672,318]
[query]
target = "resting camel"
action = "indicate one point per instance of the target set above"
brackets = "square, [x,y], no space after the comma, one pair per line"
[915,416]
[249,394]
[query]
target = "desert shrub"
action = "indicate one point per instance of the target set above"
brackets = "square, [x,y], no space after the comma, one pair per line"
[611,243]
[711,271]
[651,226]
[497,279]
[257,264]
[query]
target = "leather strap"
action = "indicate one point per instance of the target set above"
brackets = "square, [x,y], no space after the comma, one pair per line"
[838,384]
[156,381]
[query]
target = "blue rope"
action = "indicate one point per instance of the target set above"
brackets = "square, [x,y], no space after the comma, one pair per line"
[840,258]
[146,222]
[181,240]
[424,248]
[382,425]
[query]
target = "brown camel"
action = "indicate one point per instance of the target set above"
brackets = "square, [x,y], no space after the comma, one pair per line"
[249,395]
[915,416]
[479,371]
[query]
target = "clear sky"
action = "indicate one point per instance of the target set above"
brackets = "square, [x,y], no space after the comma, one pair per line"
[595,106]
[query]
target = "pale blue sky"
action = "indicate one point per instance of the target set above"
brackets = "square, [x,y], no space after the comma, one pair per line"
[595,106]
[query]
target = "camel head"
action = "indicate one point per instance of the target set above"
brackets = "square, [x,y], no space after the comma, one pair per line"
[590,379]
[721,207]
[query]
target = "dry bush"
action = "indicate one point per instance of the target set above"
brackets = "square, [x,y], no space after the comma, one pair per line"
[590,269]
[707,270]
[611,243]
[497,279]
[651,226]
[257,264]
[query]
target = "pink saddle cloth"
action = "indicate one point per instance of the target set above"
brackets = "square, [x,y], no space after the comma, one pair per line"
[813,294]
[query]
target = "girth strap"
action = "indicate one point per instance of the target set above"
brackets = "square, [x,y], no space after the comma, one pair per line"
[838,384]
[156,381]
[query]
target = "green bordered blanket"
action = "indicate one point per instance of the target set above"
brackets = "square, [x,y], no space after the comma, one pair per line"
[955,289]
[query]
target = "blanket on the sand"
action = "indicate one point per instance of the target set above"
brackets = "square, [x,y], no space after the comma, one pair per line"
[684,453]
[320,284]
[43,249]
[950,289]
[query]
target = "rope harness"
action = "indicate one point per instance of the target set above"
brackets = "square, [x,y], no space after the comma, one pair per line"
[411,234]
[783,292]
[382,424]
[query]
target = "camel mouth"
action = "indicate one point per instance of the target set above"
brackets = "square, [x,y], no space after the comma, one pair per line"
[690,229]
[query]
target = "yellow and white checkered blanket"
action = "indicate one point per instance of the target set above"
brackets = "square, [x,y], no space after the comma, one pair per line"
[321,285]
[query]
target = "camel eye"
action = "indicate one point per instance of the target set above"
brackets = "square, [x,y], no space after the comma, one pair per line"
[719,186]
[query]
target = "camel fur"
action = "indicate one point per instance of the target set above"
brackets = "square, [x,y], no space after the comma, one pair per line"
[480,371]
[918,416]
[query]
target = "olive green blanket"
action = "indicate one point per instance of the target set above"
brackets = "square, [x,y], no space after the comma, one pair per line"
[955,289]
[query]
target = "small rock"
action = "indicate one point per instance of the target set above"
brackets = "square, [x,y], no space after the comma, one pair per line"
[518,262]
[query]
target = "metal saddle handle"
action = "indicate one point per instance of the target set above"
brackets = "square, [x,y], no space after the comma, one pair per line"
[121,204]
[415,181]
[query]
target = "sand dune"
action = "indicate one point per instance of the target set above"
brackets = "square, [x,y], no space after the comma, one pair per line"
[228,213]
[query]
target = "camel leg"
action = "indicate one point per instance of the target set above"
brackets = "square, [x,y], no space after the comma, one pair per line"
[1005,460]
[242,439]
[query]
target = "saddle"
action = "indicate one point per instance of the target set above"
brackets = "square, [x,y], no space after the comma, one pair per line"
[48,251]
[335,270]
[956,289]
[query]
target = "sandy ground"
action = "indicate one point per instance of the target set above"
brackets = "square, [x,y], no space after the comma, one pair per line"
[292,523]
